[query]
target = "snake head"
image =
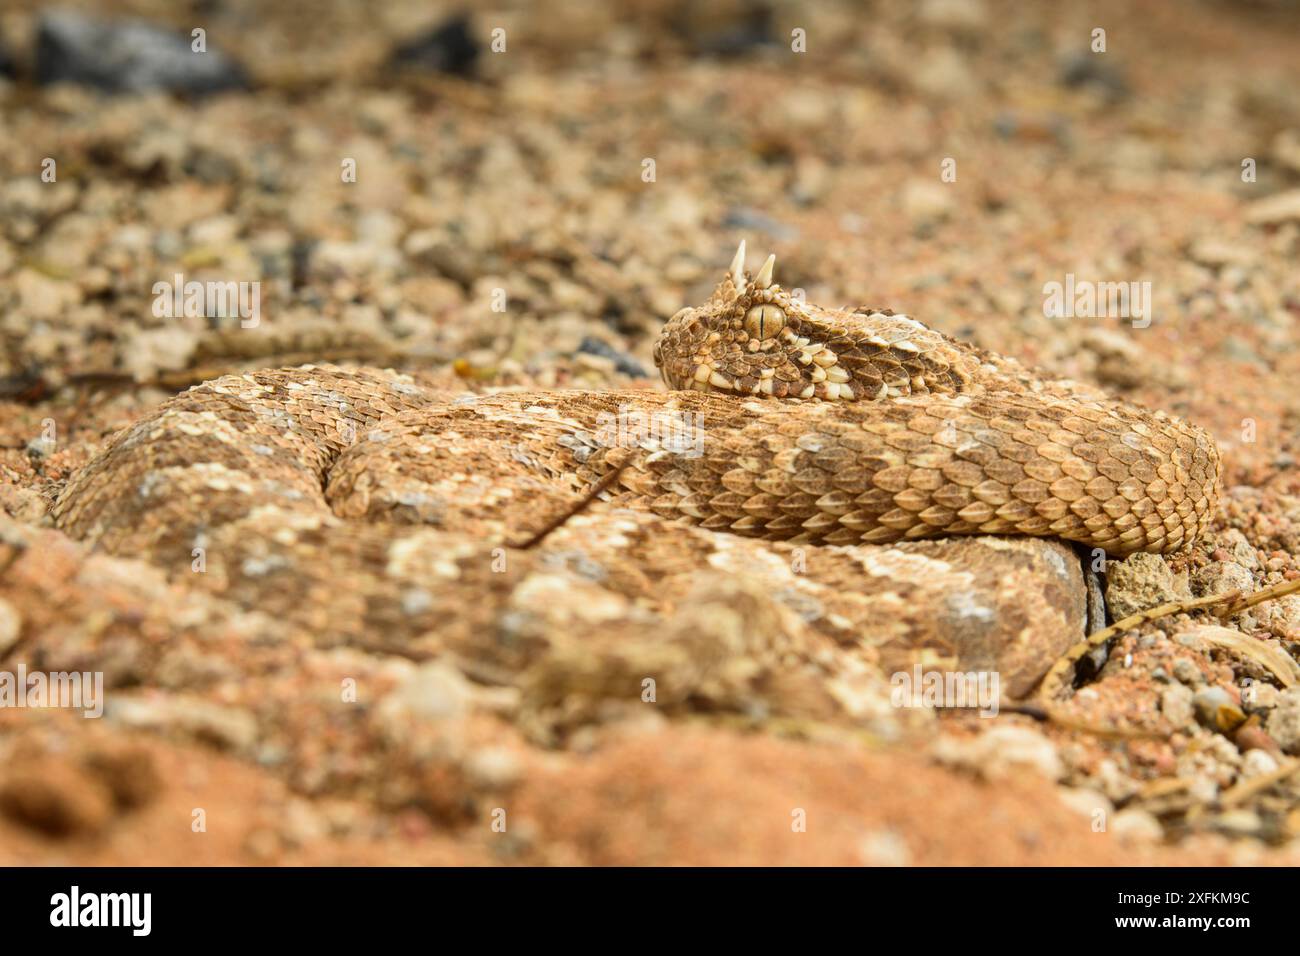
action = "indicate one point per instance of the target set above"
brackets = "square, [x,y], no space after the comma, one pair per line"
[753,338]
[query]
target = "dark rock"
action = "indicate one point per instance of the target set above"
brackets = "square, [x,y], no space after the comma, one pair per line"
[1092,70]
[726,31]
[622,362]
[53,796]
[128,56]
[448,48]
[6,62]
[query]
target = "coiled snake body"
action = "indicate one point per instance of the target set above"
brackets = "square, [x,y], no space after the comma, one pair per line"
[785,421]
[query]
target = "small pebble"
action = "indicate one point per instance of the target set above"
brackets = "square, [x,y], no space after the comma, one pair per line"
[1188,673]
[1220,577]
[1136,826]
[1251,737]
[884,848]
[1138,582]
[11,625]
[1258,763]
[1176,705]
[1239,822]
[1284,722]
[1001,752]
[1259,698]
[1216,709]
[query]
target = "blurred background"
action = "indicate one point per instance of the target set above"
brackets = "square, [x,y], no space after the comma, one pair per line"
[599,163]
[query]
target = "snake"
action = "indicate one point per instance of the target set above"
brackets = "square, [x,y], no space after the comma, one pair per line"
[307,488]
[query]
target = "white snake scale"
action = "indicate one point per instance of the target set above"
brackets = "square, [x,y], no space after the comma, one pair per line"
[815,426]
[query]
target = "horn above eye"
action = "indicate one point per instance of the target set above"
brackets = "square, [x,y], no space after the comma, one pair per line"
[764,321]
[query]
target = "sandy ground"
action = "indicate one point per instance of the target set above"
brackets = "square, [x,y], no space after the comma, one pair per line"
[947,158]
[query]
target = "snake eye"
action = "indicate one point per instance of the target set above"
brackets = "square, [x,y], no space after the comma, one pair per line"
[764,321]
